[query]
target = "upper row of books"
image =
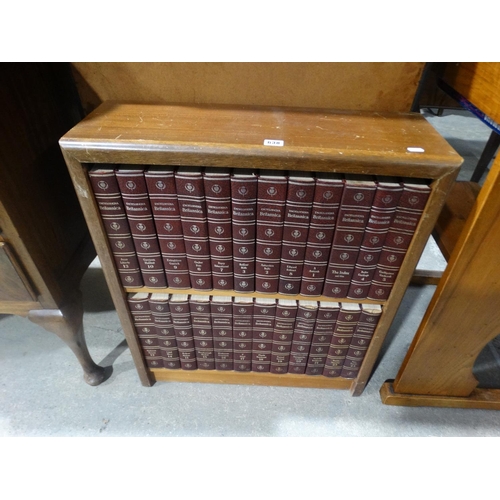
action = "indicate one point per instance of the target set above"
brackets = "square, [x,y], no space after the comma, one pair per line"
[293,233]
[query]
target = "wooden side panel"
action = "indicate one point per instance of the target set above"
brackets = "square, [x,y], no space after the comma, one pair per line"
[367,86]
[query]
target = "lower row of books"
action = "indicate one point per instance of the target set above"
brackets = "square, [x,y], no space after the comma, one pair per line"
[190,332]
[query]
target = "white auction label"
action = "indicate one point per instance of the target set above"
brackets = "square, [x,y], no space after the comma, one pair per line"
[273,142]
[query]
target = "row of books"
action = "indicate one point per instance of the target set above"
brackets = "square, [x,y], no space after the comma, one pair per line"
[258,231]
[189,332]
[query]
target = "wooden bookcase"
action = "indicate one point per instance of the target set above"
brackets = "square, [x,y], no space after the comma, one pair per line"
[226,136]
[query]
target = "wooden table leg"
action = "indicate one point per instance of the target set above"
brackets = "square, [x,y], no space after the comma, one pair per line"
[67,324]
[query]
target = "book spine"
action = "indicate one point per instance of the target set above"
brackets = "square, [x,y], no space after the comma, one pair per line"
[165,208]
[382,214]
[271,196]
[327,197]
[244,216]
[221,310]
[113,216]
[408,214]
[217,186]
[242,333]
[181,319]
[370,316]
[145,329]
[300,194]
[192,206]
[162,319]
[286,312]
[302,336]
[352,219]
[202,331]
[264,316]
[138,209]
[322,337]
[345,327]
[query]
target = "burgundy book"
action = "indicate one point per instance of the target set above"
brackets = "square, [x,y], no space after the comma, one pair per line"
[162,319]
[242,333]
[181,319]
[193,210]
[382,214]
[271,197]
[345,327]
[143,320]
[302,337]
[286,311]
[370,315]
[322,337]
[138,209]
[221,310]
[199,306]
[138,303]
[110,204]
[144,326]
[217,186]
[244,216]
[264,316]
[299,200]
[165,208]
[326,204]
[351,223]
[398,239]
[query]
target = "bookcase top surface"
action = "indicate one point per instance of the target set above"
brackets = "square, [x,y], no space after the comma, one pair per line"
[235,136]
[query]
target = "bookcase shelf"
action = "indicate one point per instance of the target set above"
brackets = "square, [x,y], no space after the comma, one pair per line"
[235,137]
[232,293]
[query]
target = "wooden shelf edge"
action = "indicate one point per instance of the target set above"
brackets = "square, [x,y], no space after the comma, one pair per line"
[484,399]
[259,295]
[250,378]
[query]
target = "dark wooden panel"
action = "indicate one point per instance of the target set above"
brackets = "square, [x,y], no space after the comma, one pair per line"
[38,105]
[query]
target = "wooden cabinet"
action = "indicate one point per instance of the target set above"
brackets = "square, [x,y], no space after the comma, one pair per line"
[45,245]
[226,136]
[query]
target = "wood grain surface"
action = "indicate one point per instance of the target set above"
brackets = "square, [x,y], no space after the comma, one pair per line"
[478,82]
[314,140]
[463,314]
[250,378]
[484,399]
[371,86]
[321,140]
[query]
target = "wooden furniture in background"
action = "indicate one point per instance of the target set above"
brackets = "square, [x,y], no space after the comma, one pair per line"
[463,315]
[351,86]
[460,85]
[45,245]
[229,136]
